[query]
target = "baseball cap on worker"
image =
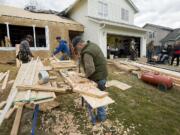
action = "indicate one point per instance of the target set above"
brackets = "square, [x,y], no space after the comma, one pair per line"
[58,37]
[76,40]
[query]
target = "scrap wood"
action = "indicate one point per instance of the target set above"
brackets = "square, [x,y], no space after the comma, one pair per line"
[82,85]
[47,68]
[98,102]
[4,84]
[16,124]
[2,76]
[40,88]
[2,104]
[118,84]
[54,84]
[53,77]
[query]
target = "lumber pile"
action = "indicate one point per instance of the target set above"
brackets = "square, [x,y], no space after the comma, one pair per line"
[175,76]
[87,89]
[27,75]
[66,64]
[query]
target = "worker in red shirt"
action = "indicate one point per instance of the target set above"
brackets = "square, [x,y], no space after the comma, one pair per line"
[176,53]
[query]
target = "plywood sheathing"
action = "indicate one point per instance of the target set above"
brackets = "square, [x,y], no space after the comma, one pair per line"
[55,29]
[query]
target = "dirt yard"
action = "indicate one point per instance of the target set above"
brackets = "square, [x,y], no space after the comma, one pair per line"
[141,110]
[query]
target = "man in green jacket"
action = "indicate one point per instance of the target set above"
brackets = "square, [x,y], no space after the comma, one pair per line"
[95,67]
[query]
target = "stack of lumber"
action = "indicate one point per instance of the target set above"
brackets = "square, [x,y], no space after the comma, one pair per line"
[66,64]
[4,79]
[124,67]
[87,89]
[27,75]
[175,76]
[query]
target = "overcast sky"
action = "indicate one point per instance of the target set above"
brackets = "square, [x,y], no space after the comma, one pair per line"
[160,12]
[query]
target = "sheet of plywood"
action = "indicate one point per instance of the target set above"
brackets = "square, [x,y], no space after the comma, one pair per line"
[118,84]
[98,102]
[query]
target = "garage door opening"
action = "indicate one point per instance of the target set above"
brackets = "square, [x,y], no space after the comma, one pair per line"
[119,46]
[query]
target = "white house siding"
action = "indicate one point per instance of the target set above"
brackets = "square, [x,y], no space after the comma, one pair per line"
[97,33]
[91,29]
[114,10]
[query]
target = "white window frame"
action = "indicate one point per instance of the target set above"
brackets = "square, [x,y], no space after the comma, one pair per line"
[34,37]
[124,14]
[102,9]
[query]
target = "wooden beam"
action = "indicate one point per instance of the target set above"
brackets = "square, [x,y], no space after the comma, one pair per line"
[40,88]
[2,76]
[5,81]
[10,112]
[16,124]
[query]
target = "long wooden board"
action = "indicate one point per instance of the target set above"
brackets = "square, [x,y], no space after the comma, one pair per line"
[4,84]
[16,124]
[118,84]
[40,88]
[98,102]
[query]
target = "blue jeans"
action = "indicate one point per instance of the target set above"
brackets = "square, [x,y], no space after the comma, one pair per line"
[101,111]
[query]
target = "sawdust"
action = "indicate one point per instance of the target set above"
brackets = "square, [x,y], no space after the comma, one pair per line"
[59,123]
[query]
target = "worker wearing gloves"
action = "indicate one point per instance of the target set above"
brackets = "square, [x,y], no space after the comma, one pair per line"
[62,48]
[94,64]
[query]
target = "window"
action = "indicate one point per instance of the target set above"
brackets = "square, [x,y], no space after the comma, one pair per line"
[124,14]
[102,9]
[40,37]
[17,33]
[151,35]
[3,36]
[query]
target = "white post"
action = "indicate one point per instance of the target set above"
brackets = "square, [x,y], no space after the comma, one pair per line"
[47,37]
[143,47]
[34,35]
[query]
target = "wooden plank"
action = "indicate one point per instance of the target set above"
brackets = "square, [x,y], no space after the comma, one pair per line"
[18,62]
[53,77]
[54,84]
[19,79]
[89,91]
[4,84]
[98,102]
[10,112]
[16,124]
[118,84]
[40,88]
[2,76]
[2,104]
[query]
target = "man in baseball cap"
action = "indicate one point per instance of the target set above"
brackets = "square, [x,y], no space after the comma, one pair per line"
[94,64]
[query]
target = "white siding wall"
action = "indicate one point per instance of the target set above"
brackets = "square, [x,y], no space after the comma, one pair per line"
[114,10]
[91,30]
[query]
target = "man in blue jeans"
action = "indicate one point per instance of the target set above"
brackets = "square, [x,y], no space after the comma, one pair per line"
[95,67]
